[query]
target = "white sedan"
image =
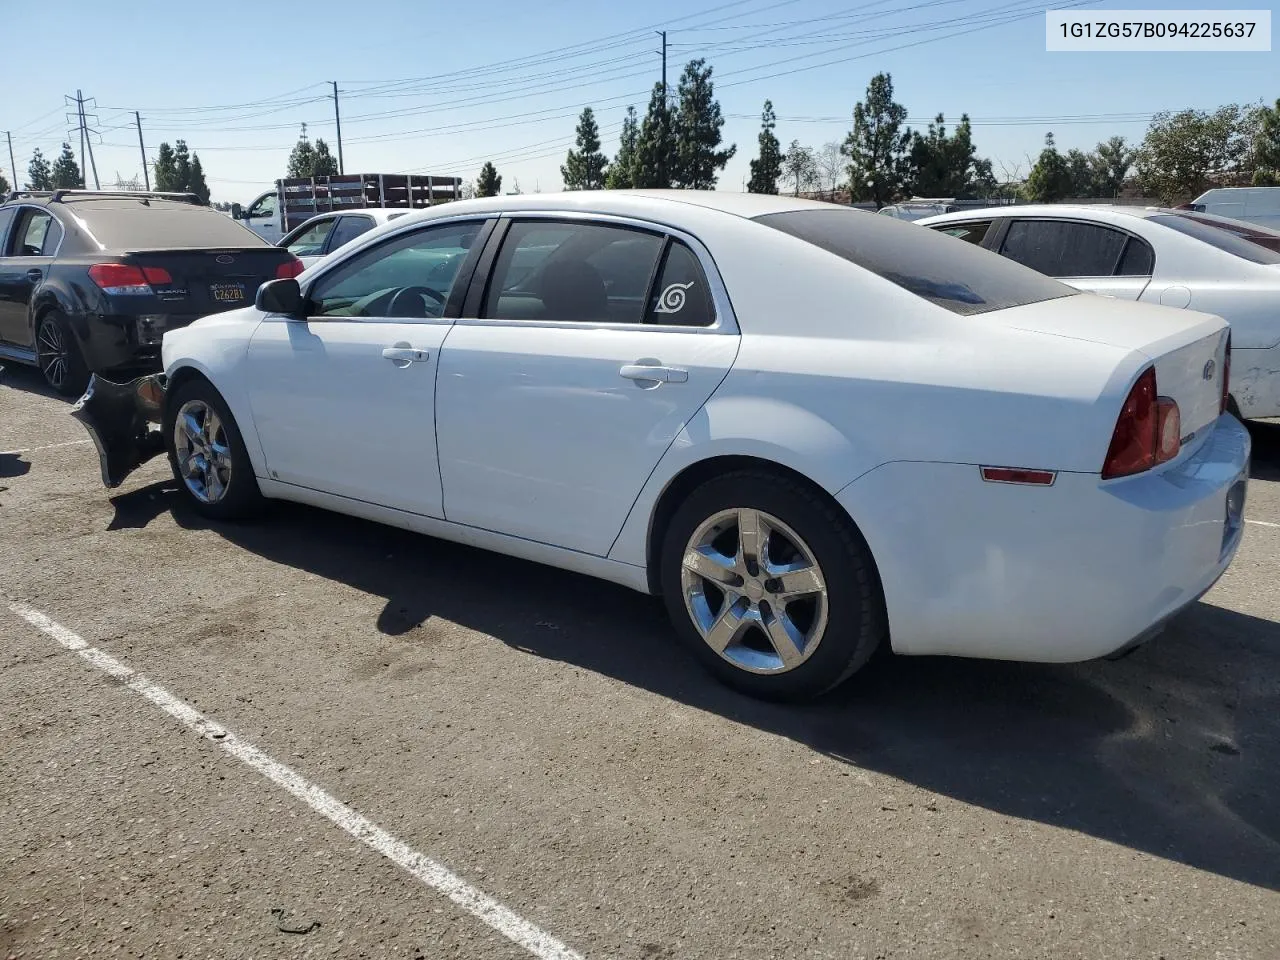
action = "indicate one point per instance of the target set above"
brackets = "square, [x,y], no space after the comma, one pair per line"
[812,431]
[1180,258]
[321,235]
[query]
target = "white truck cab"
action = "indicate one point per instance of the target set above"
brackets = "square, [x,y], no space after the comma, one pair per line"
[262,216]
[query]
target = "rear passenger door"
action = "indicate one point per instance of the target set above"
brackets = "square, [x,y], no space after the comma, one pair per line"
[349,227]
[571,371]
[1088,256]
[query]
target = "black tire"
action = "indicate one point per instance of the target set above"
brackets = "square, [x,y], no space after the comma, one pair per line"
[59,357]
[856,620]
[242,498]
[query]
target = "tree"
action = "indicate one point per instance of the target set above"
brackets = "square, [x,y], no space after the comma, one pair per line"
[621,175]
[1266,147]
[877,146]
[697,126]
[799,166]
[302,159]
[656,158]
[39,176]
[584,168]
[1081,170]
[166,174]
[1111,161]
[489,183]
[182,165]
[4,185]
[323,163]
[1185,153]
[946,166]
[767,167]
[830,167]
[1050,178]
[65,172]
[195,182]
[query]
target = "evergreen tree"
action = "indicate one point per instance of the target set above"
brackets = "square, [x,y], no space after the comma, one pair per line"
[584,168]
[621,174]
[39,176]
[1081,170]
[490,183]
[655,161]
[181,165]
[166,173]
[66,173]
[942,165]
[1050,179]
[302,160]
[196,183]
[324,163]
[767,167]
[877,146]
[1110,162]
[696,127]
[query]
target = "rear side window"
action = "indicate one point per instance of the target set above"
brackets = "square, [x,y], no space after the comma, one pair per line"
[681,296]
[348,229]
[1138,259]
[162,225]
[1062,248]
[1255,244]
[38,235]
[957,276]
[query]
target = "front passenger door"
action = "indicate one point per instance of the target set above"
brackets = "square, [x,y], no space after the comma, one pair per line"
[344,398]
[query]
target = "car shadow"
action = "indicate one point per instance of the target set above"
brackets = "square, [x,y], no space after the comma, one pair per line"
[29,379]
[12,465]
[1173,751]
[1266,449]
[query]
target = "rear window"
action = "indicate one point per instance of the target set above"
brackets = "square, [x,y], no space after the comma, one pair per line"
[959,276]
[131,225]
[1252,243]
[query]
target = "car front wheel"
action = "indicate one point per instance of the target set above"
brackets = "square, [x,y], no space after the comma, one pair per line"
[208,454]
[771,586]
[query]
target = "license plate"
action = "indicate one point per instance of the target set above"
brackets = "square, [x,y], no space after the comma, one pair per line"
[227,292]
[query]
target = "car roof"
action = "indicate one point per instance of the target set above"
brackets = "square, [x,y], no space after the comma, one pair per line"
[1099,211]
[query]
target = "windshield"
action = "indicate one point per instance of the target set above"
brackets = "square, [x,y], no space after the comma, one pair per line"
[1245,240]
[959,276]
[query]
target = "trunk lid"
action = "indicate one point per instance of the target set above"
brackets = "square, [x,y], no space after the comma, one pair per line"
[209,281]
[1187,348]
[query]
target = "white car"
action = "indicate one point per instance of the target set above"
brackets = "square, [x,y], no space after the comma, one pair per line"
[811,431]
[1179,258]
[324,233]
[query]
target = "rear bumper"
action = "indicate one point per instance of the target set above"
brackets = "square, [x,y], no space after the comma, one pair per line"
[119,341]
[122,420]
[1064,573]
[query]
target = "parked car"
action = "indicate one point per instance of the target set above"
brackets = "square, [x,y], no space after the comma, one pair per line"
[324,234]
[914,210]
[90,280]
[812,431]
[1260,205]
[1175,257]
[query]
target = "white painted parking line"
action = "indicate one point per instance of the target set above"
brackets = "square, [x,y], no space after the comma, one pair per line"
[47,446]
[436,876]
[1262,523]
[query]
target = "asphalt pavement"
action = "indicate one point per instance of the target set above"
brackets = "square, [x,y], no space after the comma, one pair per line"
[312,736]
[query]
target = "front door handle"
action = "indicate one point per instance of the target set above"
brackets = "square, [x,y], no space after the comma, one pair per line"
[34,275]
[653,371]
[405,355]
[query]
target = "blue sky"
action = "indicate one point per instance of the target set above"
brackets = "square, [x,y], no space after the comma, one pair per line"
[441,87]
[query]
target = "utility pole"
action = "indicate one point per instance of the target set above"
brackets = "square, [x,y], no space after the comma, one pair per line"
[84,132]
[146,175]
[663,35]
[337,119]
[12,165]
[80,121]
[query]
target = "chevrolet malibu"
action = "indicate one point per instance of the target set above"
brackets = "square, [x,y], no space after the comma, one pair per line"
[812,431]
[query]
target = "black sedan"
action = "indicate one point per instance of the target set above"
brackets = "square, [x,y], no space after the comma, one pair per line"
[90,280]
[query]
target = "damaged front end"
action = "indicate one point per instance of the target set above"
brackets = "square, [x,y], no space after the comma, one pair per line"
[123,420]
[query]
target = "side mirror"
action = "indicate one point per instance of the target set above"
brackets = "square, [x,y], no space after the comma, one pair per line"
[237,212]
[280,296]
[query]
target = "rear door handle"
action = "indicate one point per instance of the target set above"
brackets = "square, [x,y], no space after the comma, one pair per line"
[34,275]
[405,354]
[644,371]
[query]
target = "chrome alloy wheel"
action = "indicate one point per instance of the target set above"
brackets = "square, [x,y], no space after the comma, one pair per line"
[754,590]
[203,451]
[51,353]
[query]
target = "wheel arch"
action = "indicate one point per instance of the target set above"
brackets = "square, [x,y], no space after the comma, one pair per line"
[186,369]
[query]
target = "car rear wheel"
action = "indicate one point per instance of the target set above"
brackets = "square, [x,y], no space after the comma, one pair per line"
[208,454]
[771,586]
[58,356]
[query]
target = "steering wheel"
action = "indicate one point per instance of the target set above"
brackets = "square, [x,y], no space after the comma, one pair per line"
[402,295]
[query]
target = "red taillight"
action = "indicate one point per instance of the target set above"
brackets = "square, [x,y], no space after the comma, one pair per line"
[119,279]
[1148,431]
[1226,375]
[156,275]
[290,268]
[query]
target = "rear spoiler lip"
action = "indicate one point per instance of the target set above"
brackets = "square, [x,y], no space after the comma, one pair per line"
[211,250]
[119,419]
